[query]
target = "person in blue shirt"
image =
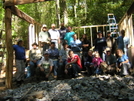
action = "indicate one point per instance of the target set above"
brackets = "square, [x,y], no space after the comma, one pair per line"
[54,55]
[69,35]
[76,45]
[120,42]
[20,61]
[123,62]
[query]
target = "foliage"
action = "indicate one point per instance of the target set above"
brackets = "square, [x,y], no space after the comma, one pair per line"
[80,13]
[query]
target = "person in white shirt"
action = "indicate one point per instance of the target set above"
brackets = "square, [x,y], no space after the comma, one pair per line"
[54,35]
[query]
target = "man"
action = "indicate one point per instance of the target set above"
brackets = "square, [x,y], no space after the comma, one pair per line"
[69,35]
[35,55]
[120,42]
[111,62]
[54,35]
[62,31]
[126,42]
[100,43]
[45,66]
[73,66]
[44,38]
[63,55]
[76,45]
[20,61]
[110,42]
[54,55]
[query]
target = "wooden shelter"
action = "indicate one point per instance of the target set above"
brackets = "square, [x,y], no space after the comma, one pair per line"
[10,8]
[126,23]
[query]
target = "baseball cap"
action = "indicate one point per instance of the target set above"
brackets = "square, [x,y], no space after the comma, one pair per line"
[108,49]
[44,25]
[46,52]
[19,40]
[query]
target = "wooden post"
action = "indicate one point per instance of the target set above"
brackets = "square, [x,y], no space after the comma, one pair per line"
[91,36]
[9,60]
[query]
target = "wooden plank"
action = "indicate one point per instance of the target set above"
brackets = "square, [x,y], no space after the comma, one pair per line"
[19,2]
[22,15]
[9,61]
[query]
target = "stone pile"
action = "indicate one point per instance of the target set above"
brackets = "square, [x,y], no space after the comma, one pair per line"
[93,88]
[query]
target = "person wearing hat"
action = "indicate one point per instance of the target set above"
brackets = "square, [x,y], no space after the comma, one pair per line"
[35,55]
[100,43]
[44,67]
[20,61]
[44,38]
[110,61]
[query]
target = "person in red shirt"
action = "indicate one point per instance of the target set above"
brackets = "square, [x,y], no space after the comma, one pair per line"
[73,66]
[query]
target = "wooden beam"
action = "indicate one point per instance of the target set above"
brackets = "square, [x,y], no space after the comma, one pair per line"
[19,2]
[9,58]
[22,15]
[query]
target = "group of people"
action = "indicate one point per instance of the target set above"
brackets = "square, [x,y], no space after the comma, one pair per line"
[61,53]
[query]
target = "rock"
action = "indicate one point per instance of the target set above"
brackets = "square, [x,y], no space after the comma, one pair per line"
[102,87]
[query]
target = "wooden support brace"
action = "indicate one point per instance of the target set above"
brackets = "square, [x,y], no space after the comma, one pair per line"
[19,2]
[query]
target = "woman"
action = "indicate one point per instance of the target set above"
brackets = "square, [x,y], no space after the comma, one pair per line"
[123,62]
[85,47]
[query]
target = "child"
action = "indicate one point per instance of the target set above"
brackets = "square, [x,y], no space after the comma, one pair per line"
[97,63]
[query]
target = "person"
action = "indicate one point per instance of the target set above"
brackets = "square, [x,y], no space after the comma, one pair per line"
[54,35]
[62,31]
[126,41]
[63,55]
[69,35]
[44,38]
[110,61]
[120,42]
[44,68]
[85,44]
[111,42]
[100,43]
[35,55]
[88,62]
[85,47]
[54,55]
[123,62]
[20,61]
[76,45]
[96,63]
[73,67]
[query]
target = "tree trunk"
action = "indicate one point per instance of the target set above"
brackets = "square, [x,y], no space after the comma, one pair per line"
[63,12]
[58,12]
[9,61]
